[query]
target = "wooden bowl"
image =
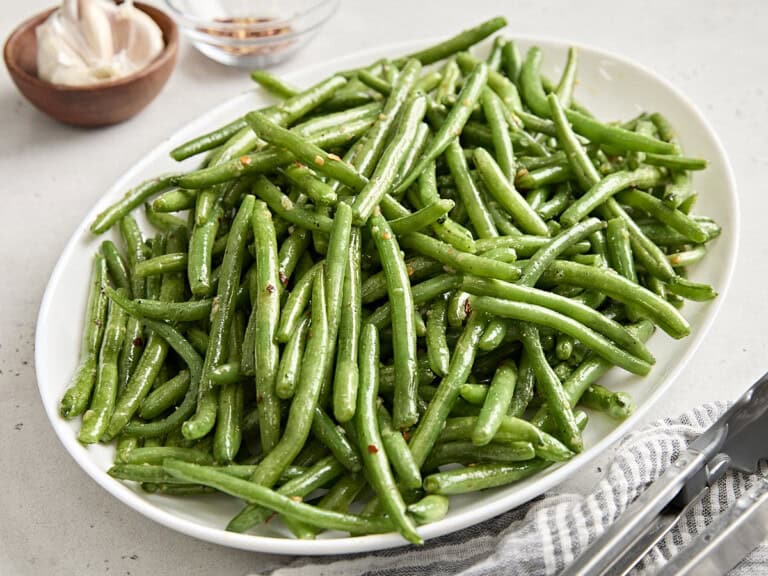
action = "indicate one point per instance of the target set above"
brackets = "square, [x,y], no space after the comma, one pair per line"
[95,104]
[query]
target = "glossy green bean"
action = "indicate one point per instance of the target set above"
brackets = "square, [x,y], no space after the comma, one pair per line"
[345,382]
[480,477]
[437,346]
[308,182]
[496,403]
[284,207]
[397,450]
[454,122]
[75,400]
[132,199]
[273,84]
[228,433]
[428,429]
[505,194]
[502,145]
[295,304]
[372,450]
[459,261]
[325,430]
[617,405]
[289,370]
[402,310]
[97,417]
[165,396]
[469,193]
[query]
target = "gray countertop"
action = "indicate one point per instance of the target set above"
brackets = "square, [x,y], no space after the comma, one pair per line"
[55,519]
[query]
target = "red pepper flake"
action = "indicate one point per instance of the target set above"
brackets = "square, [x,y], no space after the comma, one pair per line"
[138,341]
[406,435]
[283,278]
[245,160]
[467,307]
[319,160]
[271,288]
[372,449]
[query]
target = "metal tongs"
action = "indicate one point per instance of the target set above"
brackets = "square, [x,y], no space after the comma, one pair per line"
[738,440]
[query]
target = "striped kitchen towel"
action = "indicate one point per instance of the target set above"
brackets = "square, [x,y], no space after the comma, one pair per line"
[546,534]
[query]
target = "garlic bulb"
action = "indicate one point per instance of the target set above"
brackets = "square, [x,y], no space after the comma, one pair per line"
[90,41]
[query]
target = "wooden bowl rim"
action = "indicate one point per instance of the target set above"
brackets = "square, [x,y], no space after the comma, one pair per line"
[167,26]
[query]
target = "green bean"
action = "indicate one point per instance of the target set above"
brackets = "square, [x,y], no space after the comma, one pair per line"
[421,293]
[184,349]
[175,200]
[262,496]
[164,222]
[469,193]
[391,159]
[545,255]
[526,245]
[645,251]
[290,252]
[506,195]
[617,405]
[402,311]
[307,181]
[567,82]
[675,219]
[474,394]
[325,430]
[448,231]
[165,264]
[675,162]
[132,199]
[511,60]
[336,266]
[295,304]
[437,346]
[663,235]
[609,186]
[431,508]
[372,81]
[200,256]
[267,310]
[580,164]
[269,159]
[617,287]
[428,429]
[273,84]
[453,124]
[542,177]
[459,261]
[225,374]
[502,145]
[75,399]
[97,417]
[458,308]
[289,371]
[496,403]
[221,319]
[345,382]
[305,399]
[414,151]
[530,83]
[497,82]
[228,432]
[428,81]
[371,447]
[480,477]
[165,396]
[546,317]
[551,388]
[686,258]
[208,141]
[457,43]
[282,206]
[464,452]
[524,388]
[133,341]
[397,450]
[447,87]
[306,152]
[494,57]
[691,290]
[116,265]
[422,218]
[156,454]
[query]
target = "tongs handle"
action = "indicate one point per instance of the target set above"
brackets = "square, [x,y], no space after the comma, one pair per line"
[604,552]
[727,540]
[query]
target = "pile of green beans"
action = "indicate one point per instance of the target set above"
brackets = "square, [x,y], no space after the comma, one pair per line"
[404,279]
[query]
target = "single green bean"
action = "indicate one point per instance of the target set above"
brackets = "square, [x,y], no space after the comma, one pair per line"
[325,430]
[496,403]
[289,371]
[132,199]
[481,477]
[437,346]
[273,84]
[469,193]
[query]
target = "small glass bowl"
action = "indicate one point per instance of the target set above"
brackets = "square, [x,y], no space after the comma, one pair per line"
[250,33]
